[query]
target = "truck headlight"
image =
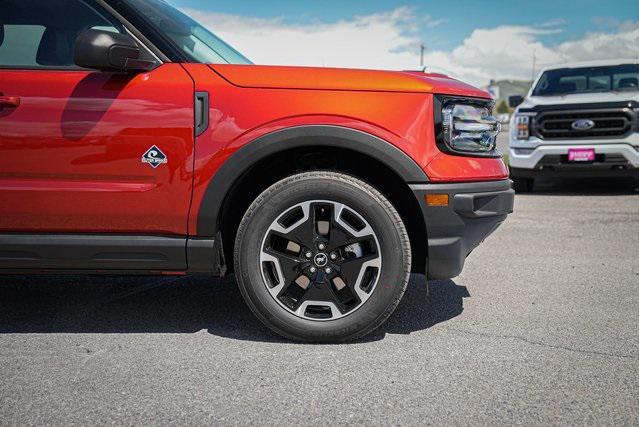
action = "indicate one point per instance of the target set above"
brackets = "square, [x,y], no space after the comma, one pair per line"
[522,127]
[466,126]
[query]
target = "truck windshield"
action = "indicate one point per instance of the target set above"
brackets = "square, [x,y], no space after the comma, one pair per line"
[564,81]
[194,40]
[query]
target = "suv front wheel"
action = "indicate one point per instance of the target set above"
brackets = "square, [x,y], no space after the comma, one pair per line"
[322,256]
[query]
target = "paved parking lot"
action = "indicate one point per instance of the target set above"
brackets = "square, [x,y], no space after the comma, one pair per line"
[540,328]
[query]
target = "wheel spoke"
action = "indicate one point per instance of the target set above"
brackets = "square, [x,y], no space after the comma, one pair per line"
[304,233]
[290,265]
[295,225]
[339,238]
[348,228]
[353,272]
[318,290]
[317,227]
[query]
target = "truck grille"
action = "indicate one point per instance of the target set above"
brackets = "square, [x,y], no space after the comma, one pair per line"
[607,123]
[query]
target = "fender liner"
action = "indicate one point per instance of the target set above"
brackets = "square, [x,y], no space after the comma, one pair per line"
[296,137]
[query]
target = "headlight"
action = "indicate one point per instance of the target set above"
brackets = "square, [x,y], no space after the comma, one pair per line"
[466,126]
[522,127]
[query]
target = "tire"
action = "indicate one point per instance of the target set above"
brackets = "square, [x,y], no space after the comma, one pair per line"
[374,272]
[523,185]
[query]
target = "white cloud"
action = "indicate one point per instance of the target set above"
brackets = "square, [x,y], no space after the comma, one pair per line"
[373,41]
[432,23]
[389,40]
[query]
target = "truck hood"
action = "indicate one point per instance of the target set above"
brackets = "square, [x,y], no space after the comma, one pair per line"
[278,77]
[581,98]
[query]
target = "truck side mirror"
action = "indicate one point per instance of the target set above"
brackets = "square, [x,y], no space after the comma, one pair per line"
[108,51]
[515,100]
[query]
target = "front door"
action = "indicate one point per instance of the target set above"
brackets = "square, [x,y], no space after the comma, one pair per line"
[86,151]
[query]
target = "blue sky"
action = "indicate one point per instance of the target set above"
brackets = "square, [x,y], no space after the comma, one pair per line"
[475,41]
[458,18]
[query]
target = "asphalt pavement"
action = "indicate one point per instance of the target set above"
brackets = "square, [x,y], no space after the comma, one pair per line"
[541,328]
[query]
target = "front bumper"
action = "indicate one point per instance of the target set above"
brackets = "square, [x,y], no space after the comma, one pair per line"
[473,212]
[533,157]
[612,160]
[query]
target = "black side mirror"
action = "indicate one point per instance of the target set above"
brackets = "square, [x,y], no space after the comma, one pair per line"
[515,100]
[108,51]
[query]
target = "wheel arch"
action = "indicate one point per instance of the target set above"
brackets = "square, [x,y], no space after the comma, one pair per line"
[276,155]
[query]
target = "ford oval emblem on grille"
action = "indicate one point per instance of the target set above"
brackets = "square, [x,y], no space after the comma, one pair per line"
[583,124]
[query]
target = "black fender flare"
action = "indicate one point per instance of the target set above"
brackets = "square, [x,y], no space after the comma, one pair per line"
[295,137]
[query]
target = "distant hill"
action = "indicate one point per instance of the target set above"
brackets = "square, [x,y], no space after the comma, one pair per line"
[502,89]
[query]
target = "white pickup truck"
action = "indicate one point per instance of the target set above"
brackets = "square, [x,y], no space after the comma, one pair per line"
[578,120]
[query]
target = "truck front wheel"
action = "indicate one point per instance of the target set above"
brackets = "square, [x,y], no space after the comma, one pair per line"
[523,185]
[322,257]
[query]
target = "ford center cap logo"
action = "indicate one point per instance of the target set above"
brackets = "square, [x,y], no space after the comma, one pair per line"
[321,260]
[583,124]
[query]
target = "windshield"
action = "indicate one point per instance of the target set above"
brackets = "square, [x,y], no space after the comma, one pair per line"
[197,42]
[564,81]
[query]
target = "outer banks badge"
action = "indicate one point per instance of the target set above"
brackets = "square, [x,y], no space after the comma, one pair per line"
[154,156]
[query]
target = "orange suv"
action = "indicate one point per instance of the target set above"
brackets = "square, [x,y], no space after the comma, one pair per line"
[134,141]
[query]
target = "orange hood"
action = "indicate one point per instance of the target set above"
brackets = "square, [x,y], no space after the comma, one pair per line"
[278,77]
